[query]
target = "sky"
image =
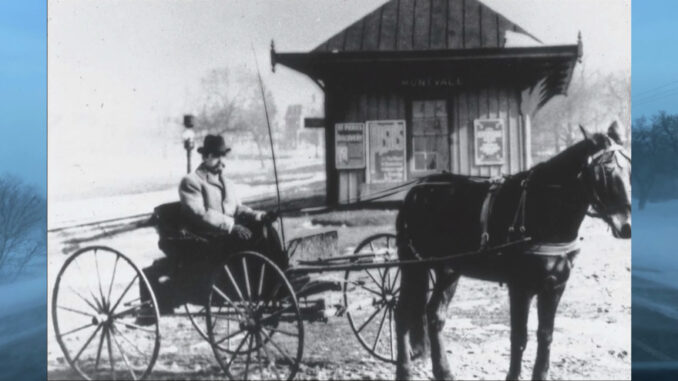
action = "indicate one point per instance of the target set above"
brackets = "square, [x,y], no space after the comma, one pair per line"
[654,71]
[23,89]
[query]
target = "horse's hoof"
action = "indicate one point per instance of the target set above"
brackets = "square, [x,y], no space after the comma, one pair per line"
[512,377]
[540,376]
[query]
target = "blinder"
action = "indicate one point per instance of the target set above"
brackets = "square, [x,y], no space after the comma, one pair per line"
[601,164]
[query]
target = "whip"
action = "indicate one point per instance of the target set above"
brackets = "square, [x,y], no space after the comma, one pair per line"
[270,137]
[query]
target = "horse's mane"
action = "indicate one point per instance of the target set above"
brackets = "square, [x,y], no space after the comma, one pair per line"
[570,161]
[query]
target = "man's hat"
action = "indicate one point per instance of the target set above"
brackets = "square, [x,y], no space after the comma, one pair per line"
[214,144]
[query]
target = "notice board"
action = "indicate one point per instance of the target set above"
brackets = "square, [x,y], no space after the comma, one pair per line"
[489,138]
[386,151]
[349,141]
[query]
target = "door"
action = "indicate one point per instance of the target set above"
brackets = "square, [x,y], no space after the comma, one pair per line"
[430,137]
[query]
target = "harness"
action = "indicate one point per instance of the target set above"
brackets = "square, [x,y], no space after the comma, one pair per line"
[486,210]
[560,249]
[488,203]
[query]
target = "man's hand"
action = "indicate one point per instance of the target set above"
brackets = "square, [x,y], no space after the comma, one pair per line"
[241,232]
[269,217]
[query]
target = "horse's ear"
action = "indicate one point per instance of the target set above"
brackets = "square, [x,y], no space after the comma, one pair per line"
[614,132]
[584,132]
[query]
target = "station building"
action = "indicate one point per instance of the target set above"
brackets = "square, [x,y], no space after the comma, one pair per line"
[422,86]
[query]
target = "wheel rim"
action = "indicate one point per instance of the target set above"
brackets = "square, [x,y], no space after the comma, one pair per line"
[373,323]
[257,331]
[195,318]
[95,304]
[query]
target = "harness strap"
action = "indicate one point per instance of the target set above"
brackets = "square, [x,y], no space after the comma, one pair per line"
[519,217]
[553,249]
[486,210]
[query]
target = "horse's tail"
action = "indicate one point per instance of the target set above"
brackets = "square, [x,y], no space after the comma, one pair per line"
[413,288]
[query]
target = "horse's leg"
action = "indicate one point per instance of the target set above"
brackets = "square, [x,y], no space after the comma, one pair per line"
[547,305]
[441,297]
[402,321]
[520,299]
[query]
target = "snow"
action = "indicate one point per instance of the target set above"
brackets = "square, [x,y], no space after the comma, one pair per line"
[655,230]
[655,285]
[72,209]
[22,295]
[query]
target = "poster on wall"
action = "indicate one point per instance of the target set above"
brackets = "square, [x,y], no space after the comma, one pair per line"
[349,140]
[386,151]
[488,138]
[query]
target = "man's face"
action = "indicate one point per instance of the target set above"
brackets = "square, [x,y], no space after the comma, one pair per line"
[214,162]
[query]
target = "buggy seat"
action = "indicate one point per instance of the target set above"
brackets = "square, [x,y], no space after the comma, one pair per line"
[176,239]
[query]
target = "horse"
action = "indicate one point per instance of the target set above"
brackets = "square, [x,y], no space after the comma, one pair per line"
[540,210]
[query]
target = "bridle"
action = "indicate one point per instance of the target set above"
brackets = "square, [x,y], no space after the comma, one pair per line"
[599,163]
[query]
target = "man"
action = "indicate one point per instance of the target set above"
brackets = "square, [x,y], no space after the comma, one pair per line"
[211,209]
[210,202]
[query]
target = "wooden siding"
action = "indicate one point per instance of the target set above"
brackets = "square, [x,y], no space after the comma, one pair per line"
[463,107]
[424,25]
[360,108]
[487,102]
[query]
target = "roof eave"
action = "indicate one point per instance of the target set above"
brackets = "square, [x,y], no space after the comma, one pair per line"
[317,65]
[301,60]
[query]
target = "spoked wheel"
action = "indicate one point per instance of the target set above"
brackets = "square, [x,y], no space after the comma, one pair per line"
[371,296]
[103,328]
[257,331]
[197,316]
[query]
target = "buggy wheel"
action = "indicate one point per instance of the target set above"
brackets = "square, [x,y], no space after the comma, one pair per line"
[96,312]
[196,316]
[371,296]
[257,331]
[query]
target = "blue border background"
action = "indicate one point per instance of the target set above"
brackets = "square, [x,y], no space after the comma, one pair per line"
[654,88]
[23,153]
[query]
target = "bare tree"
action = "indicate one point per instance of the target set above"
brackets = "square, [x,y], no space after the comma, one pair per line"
[655,145]
[233,104]
[218,104]
[22,225]
[593,100]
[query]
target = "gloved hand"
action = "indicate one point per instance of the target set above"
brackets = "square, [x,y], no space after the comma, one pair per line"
[241,232]
[269,217]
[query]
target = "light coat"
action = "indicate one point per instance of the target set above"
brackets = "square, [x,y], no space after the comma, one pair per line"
[211,200]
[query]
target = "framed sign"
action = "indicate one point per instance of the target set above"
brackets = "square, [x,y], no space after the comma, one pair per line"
[386,151]
[349,142]
[488,140]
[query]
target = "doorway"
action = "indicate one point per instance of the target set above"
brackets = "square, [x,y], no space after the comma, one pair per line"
[430,137]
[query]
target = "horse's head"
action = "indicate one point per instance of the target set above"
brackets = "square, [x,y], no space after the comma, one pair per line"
[607,177]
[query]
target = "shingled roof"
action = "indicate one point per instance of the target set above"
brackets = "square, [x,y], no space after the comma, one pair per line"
[406,25]
[458,34]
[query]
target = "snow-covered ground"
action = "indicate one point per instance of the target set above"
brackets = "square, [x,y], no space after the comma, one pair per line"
[23,328]
[655,285]
[655,233]
[69,209]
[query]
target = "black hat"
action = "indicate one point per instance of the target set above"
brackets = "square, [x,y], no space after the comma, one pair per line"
[214,144]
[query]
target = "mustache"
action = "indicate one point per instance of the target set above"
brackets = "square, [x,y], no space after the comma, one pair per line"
[217,167]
